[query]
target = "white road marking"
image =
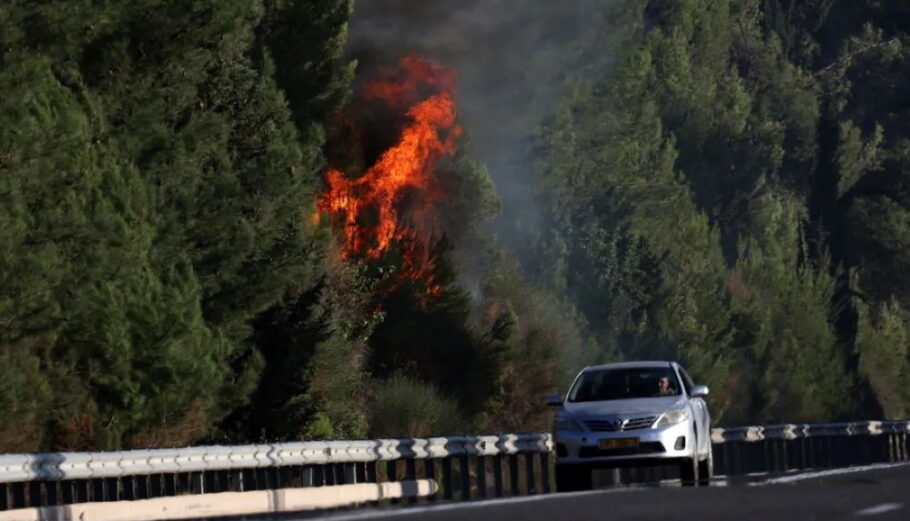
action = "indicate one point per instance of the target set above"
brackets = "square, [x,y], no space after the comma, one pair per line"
[879,509]
[828,473]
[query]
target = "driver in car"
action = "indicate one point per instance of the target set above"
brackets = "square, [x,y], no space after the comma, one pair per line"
[664,388]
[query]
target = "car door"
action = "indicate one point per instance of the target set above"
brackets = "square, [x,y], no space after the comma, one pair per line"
[700,410]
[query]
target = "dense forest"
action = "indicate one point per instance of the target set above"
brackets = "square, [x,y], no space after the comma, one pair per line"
[234,220]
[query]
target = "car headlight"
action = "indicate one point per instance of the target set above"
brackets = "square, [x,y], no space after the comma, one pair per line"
[672,418]
[568,424]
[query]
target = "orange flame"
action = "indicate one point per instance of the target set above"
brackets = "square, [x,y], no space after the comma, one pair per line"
[395,200]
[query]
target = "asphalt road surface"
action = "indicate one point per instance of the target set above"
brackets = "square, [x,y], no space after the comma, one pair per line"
[881,493]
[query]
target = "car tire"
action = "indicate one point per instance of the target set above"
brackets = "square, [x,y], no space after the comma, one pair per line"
[688,471]
[706,470]
[573,478]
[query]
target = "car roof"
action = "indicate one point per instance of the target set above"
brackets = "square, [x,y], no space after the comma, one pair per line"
[621,365]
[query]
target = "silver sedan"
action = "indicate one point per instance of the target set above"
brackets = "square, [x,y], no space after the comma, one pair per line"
[629,414]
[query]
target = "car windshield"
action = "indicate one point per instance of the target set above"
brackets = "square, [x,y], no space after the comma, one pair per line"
[621,384]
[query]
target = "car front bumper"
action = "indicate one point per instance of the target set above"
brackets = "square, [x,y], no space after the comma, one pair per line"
[653,445]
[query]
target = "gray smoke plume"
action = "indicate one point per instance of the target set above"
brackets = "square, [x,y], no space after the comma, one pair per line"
[512,58]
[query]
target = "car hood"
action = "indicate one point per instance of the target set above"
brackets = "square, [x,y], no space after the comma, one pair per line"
[634,406]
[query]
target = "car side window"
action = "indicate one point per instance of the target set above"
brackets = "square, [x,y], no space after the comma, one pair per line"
[687,381]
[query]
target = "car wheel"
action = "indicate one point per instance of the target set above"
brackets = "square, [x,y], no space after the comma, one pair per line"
[572,478]
[688,471]
[706,470]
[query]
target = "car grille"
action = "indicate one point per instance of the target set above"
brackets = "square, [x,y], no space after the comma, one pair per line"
[627,425]
[653,447]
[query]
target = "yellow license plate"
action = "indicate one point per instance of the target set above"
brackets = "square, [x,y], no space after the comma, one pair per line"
[619,443]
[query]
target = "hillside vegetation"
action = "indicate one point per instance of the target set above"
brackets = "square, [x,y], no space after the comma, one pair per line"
[723,182]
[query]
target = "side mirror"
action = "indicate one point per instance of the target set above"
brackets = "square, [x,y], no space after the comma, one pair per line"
[554,400]
[699,391]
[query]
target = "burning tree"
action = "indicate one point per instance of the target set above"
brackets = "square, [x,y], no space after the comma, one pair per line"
[392,208]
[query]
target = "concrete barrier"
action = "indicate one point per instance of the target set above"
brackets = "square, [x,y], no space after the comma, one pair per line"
[227,503]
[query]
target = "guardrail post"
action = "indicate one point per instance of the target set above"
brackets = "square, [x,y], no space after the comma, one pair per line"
[372,476]
[306,476]
[350,473]
[129,488]
[243,480]
[228,480]
[858,450]
[725,459]
[904,448]
[545,472]
[513,474]
[209,482]
[66,492]
[170,484]
[34,494]
[17,491]
[50,490]
[96,490]
[774,450]
[183,482]
[790,454]
[142,487]
[410,474]
[749,449]
[260,479]
[82,490]
[898,449]
[429,472]
[155,485]
[785,454]
[391,468]
[481,463]
[110,489]
[530,474]
[464,465]
[447,478]
[844,449]
[497,474]
[4,498]
[720,458]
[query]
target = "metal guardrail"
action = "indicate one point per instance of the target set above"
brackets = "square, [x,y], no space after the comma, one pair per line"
[744,451]
[808,430]
[94,465]
[465,467]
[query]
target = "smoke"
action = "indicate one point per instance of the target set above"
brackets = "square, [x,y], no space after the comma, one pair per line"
[512,58]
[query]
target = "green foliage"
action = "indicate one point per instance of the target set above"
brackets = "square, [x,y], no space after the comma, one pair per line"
[883,345]
[313,346]
[152,189]
[723,183]
[402,408]
[784,308]
[704,194]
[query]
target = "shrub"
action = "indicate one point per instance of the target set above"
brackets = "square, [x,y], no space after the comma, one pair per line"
[403,407]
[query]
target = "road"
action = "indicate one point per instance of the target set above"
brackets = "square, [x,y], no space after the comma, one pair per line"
[880,493]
